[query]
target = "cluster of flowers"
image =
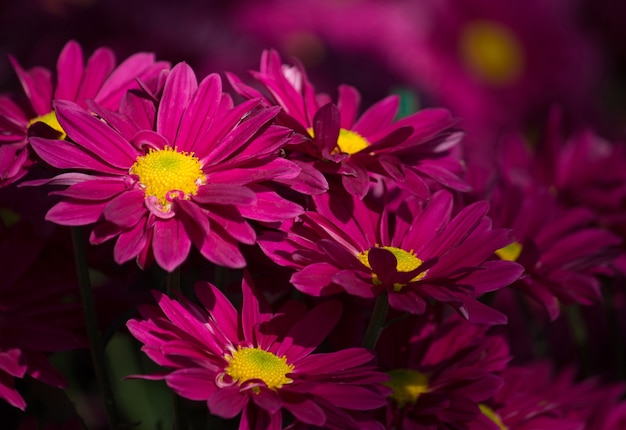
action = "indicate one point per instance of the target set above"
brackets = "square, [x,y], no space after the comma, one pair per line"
[372,281]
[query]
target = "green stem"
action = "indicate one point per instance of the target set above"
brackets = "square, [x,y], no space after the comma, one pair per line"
[96,346]
[377,322]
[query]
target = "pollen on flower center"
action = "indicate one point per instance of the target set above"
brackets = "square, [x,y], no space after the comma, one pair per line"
[510,252]
[492,52]
[254,363]
[50,119]
[166,172]
[349,142]
[406,385]
[492,415]
[405,262]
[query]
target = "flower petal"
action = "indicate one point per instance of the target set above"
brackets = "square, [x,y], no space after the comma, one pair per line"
[170,243]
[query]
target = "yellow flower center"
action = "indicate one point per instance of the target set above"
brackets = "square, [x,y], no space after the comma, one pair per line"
[491,52]
[50,119]
[510,252]
[407,385]
[167,173]
[254,363]
[405,262]
[349,142]
[492,415]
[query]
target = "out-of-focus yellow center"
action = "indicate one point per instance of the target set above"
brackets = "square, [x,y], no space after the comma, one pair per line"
[407,385]
[349,142]
[492,415]
[50,119]
[164,172]
[510,252]
[491,52]
[405,262]
[253,363]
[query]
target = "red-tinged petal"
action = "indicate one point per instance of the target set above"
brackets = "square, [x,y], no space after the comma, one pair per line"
[407,302]
[459,227]
[348,102]
[225,194]
[219,248]
[270,206]
[179,88]
[200,113]
[170,243]
[255,309]
[359,184]
[94,189]
[310,331]
[65,155]
[430,221]
[69,71]
[220,308]
[99,65]
[349,396]
[95,136]
[130,243]
[227,402]
[378,116]
[306,411]
[355,283]
[479,313]
[339,361]
[315,279]
[267,400]
[9,393]
[138,66]
[241,134]
[308,181]
[493,275]
[233,224]
[37,84]
[326,125]
[75,213]
[126,209]
[278,168]
[193,384]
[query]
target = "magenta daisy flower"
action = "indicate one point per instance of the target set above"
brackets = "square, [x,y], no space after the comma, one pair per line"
[441,370]
[419,253]
[192,169]
[259,364]
[98,79]
[562,250]
[534,397]
[414,151]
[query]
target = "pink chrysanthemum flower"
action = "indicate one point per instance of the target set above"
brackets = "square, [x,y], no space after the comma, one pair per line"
[98,79]
[441,369]
[562,250]
[191,169]
[534,397]
[259,364]
[38,308]
[419,253]
[414,151]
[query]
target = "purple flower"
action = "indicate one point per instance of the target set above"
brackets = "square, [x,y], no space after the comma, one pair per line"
[561,249]
[257,363]
[415,151]
[441,369]
[419,253]
[98,79]
[192,169]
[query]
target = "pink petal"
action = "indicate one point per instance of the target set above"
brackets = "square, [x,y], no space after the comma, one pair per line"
[270,206]
[316,279]
[37,84]
[170,243]
[179,88]
[99,65]
[65,155]
[69,71]
[200,113]
[94,189]
[348,103]
[131,242]
[349,396]
[220,308]
[95,135]
[75,213]
[192,383]
[126,209]
[227,402]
